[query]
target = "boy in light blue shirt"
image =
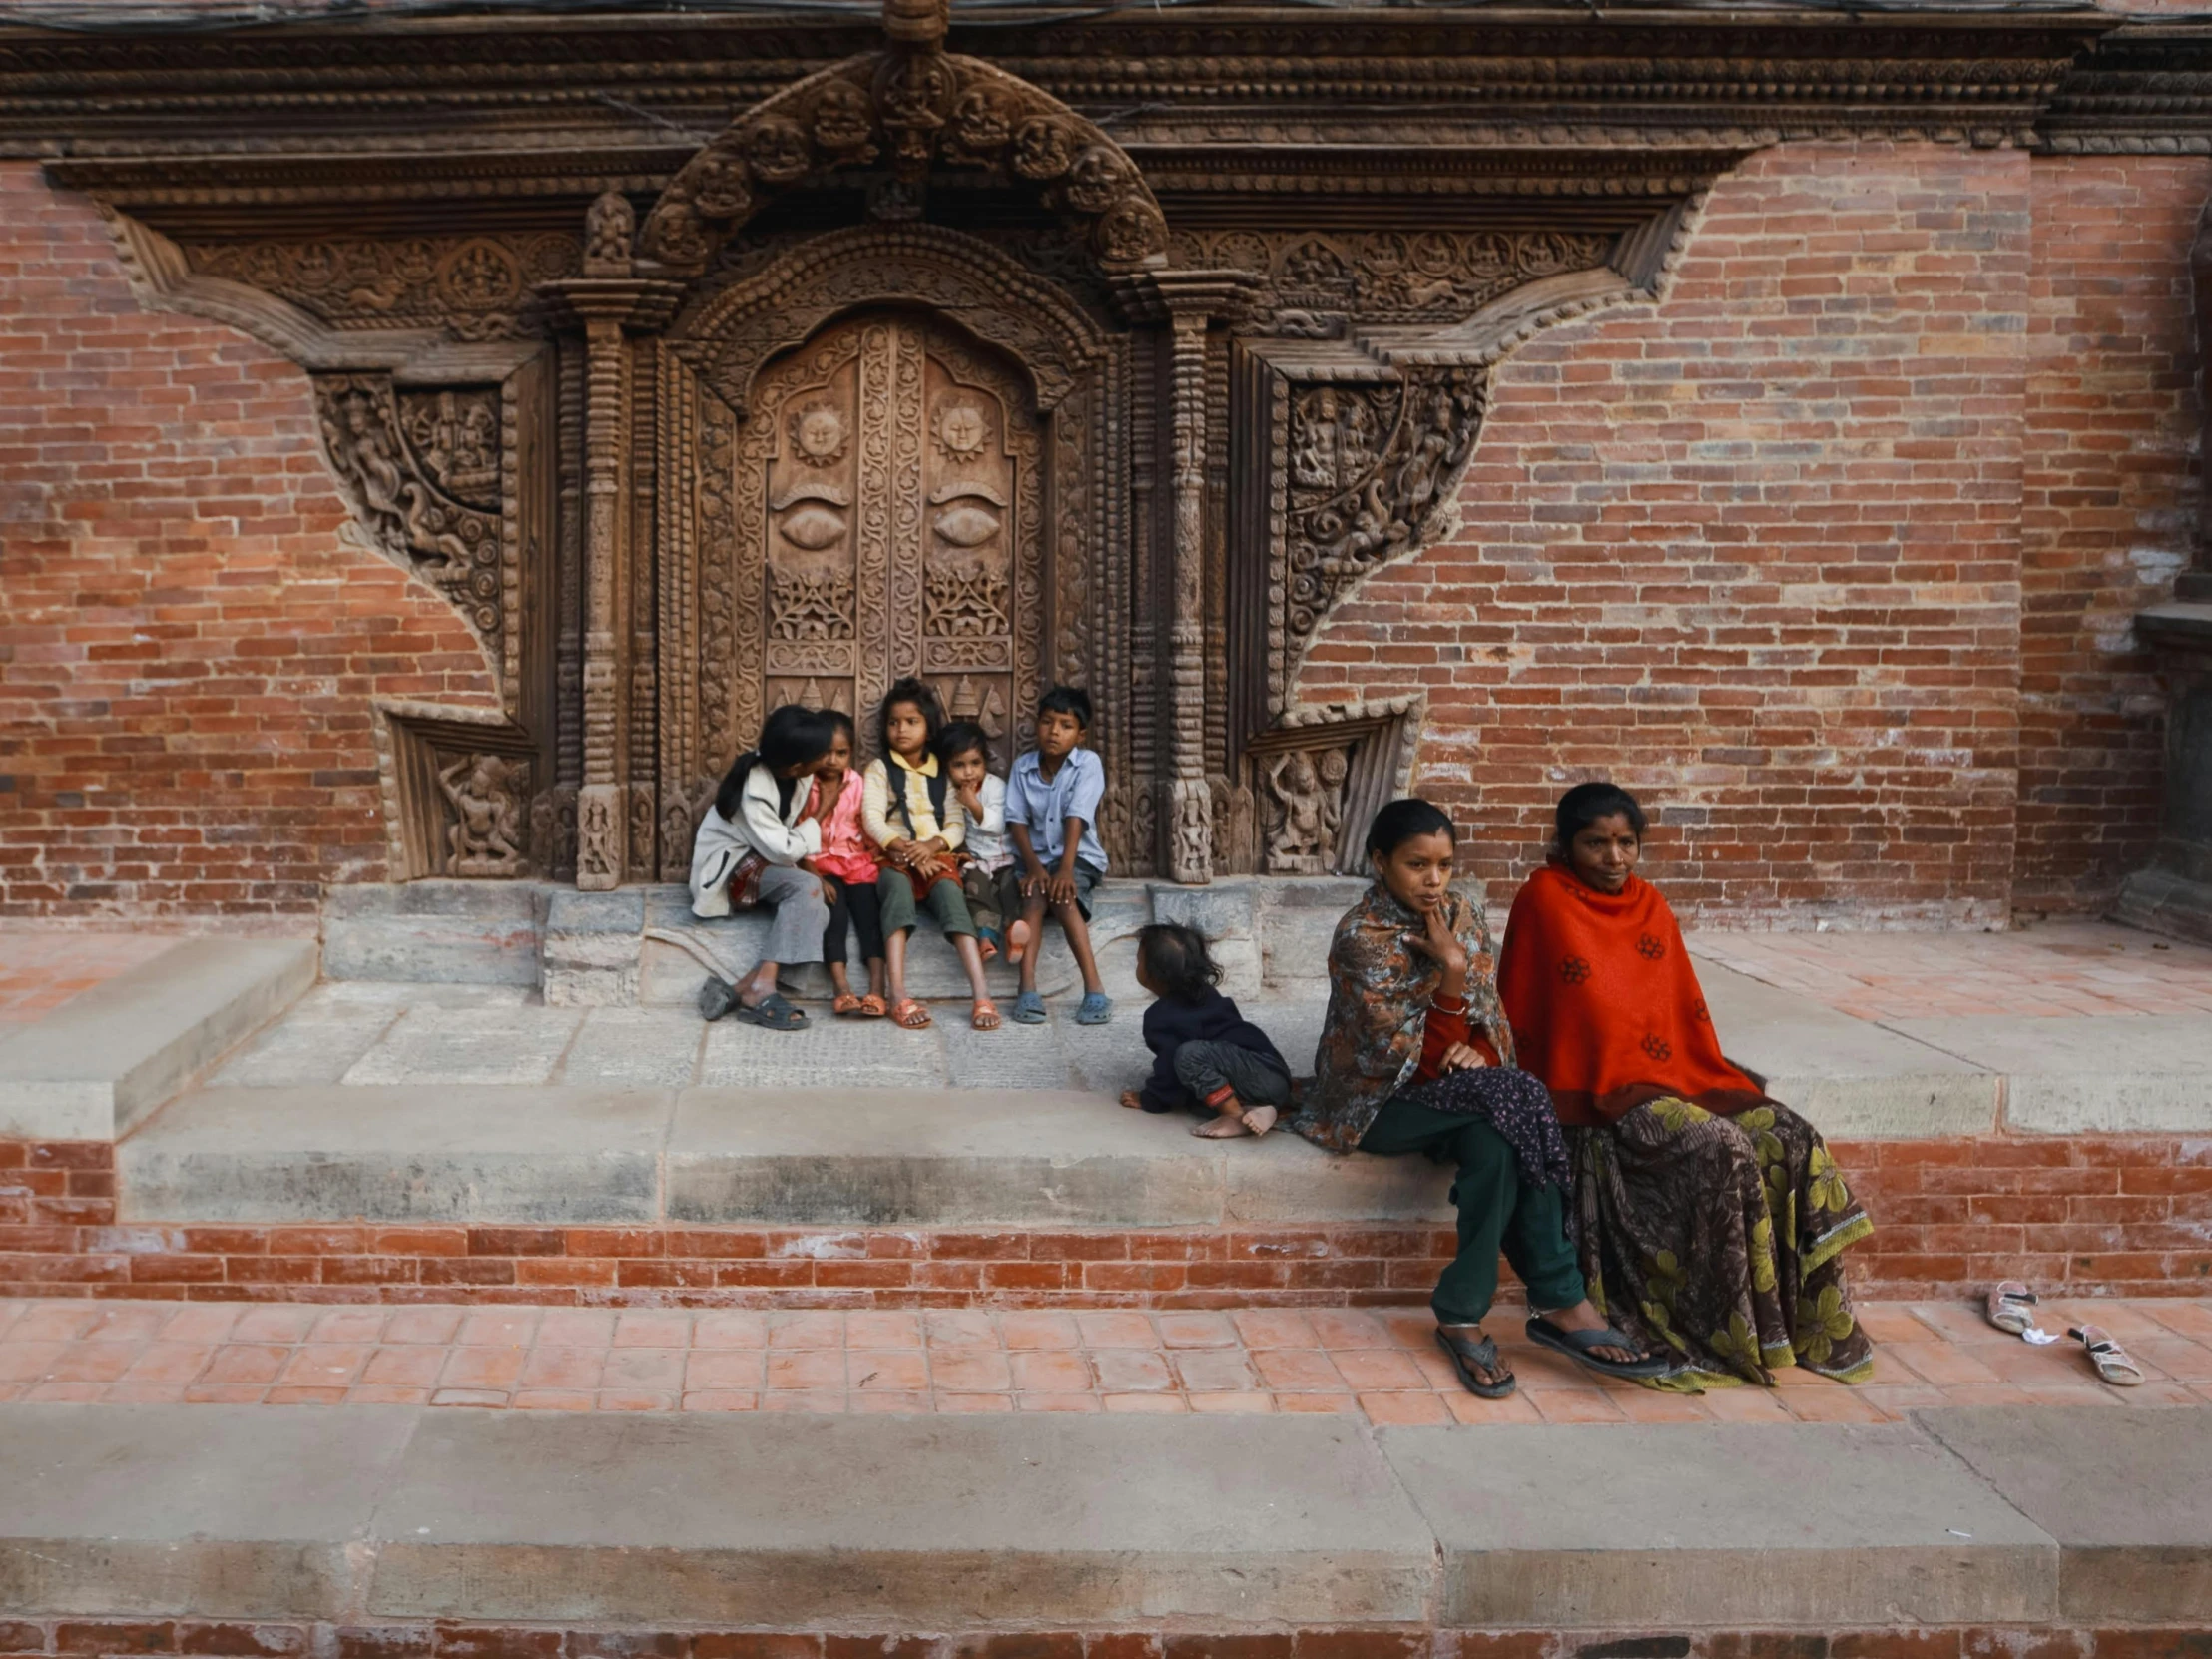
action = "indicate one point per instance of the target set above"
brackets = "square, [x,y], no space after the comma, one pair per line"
[1052,799]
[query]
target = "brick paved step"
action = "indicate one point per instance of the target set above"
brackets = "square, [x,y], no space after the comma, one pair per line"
[368,1514]
[103,1060]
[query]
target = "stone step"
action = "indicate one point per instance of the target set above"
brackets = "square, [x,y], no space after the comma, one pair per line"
[392,1515]
[733,1157]
[108,1056]
[643,944]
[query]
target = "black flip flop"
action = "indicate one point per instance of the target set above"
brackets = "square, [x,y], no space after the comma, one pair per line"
[771,1013]
[1466,1355]
[1577,1345]
[715,998]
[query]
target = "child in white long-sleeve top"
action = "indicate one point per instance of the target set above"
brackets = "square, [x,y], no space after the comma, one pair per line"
[988,877]
[748,852]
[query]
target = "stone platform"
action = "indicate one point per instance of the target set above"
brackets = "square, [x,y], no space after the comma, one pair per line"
[2008,1105]
[388,1521]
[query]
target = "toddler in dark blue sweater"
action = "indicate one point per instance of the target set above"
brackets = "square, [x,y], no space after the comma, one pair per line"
[1205,1057]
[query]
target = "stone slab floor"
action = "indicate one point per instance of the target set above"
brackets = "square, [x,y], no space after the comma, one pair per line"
[1382,1365]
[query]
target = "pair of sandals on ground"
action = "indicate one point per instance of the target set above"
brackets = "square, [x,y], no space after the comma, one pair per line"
[777,1013]
[1475,1358]
[2011,1308]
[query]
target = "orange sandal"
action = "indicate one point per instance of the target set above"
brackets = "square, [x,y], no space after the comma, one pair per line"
[844,1006]
[986,1016]
[912,1015]
[873,1007]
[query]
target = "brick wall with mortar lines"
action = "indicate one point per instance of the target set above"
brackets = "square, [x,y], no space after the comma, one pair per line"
[2121,1215]
[2108,510]
[188,650]
[1830,554]
[1754,551]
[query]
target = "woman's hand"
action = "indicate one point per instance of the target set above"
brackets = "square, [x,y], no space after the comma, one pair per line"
[1435,941]
[826,792]
[1462,1057]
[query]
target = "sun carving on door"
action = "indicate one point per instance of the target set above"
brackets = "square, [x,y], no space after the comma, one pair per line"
[895,474]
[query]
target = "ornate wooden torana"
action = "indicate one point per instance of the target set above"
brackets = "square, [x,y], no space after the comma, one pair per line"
[708,363]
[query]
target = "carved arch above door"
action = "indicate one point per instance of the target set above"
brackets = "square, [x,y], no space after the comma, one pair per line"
[909,110]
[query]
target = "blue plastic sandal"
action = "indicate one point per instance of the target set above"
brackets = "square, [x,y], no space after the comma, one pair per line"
[1029,1009]
[1096,1009]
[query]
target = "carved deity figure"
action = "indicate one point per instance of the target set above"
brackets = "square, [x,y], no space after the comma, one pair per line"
[1309,810]
[485,837]
[609,224]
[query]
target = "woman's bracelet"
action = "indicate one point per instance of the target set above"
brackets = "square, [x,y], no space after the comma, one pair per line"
[1445,1004]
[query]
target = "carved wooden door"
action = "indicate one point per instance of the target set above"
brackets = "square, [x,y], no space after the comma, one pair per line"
[888,505]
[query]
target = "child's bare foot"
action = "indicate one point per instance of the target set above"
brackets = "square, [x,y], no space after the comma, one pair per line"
[985,1015]
[1132,1100]
[1224,1128]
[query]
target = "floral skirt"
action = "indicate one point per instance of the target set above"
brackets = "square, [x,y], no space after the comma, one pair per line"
[1721,1241]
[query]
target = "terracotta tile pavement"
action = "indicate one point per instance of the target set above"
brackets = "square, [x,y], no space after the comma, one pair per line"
[1382,1366]
[2053,970]
[40,968]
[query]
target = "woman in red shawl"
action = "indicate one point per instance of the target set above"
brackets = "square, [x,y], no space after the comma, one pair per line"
[1713,1220]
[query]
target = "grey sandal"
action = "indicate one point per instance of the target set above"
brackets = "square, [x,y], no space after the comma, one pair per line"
[1581,1346]
[1466,1357]
[771,1013]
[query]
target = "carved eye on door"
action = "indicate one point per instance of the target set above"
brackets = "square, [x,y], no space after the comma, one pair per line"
[968,526]
[814,528]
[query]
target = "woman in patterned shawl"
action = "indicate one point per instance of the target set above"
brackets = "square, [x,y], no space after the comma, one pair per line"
[1415,1056]
[1712,1220]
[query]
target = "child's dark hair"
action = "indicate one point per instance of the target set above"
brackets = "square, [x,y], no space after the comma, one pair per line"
[1586,803]
[961,737]
[1067,699]
[1174,958]
[1400,821]
[844,723]
[790,737]
[921,697]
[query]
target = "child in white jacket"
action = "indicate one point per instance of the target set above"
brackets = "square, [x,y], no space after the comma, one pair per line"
[752,848]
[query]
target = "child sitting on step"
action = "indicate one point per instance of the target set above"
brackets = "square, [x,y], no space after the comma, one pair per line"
[910,812]
[989,878]
[848,870]
[1052,799]
[765,820]
[1205,1057]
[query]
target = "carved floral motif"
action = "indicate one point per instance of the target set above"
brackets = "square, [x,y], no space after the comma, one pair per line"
[455,433]
[1369,515]
[1390,275]
[476,286]
[416,522]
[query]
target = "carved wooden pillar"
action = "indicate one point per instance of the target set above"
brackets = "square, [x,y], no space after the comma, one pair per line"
[1189,303]
[608,304]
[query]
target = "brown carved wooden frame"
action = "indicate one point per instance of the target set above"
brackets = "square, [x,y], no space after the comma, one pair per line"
[1079,373]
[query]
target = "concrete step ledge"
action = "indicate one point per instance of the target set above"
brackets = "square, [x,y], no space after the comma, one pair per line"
[106,1058]
[931,1523]
[730,1156]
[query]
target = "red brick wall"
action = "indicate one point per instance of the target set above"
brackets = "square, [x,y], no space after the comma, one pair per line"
[187,650]
[2107,1215]
[1753,552]
[2108,510]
